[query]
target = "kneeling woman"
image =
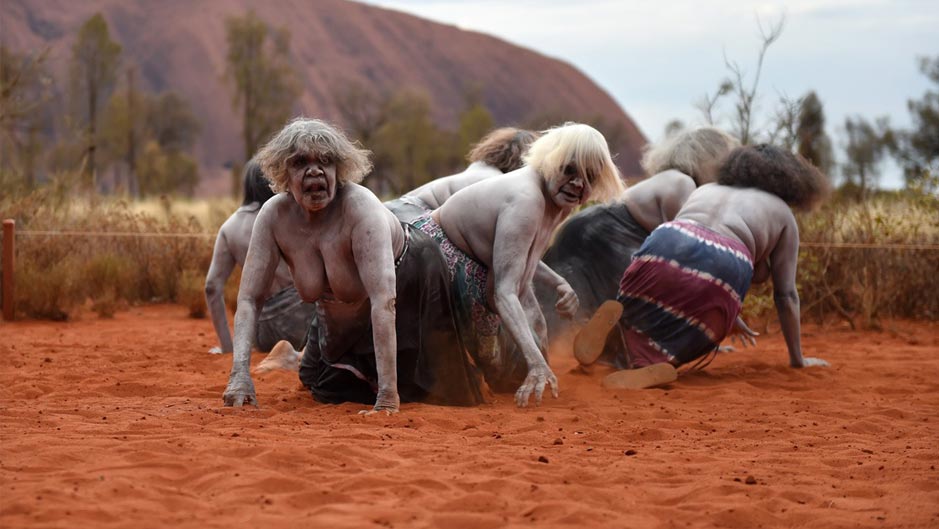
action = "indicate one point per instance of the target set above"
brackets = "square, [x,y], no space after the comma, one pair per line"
[361,267]
[682,293]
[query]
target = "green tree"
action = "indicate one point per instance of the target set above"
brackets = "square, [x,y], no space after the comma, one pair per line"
[917,149]
[263,83]
[475,122]
[409,149]
[123,130]
[813,144]
[172,123]
[92,75]
[865,146]
[132,121]
[361,109]
[24,90]
[166,171]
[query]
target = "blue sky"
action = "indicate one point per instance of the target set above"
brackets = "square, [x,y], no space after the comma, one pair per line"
[658,57]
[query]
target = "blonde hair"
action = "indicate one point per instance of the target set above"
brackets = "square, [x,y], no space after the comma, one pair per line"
[503,148]
[583,146]
[314,137]
[688,151]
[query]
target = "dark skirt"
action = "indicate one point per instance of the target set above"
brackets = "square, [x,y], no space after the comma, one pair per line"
[407,208]
[682,293]
[338,364]
[591,251]
[284,317]
[492,349]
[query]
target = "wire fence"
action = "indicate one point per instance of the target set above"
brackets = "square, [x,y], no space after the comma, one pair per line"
[804,244]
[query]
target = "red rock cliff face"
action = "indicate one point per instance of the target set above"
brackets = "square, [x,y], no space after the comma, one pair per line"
[180,45]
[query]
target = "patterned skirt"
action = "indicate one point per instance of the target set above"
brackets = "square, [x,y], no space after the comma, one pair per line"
[502,364]
[682,293]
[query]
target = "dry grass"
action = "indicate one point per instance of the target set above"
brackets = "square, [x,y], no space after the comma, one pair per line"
[864,284]
[101,267]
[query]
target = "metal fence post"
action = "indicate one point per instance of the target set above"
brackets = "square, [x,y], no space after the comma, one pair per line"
[9,242]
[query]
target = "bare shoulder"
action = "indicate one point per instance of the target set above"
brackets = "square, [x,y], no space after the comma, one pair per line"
[672,177]
[357,199]
[275,208]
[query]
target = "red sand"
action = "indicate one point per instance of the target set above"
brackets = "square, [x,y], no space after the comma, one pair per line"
[117,423]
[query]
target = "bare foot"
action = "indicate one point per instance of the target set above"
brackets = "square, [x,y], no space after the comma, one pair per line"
[641,378]
[282,356]
[589,342]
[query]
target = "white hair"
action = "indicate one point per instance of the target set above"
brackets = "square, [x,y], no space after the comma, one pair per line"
[583,146]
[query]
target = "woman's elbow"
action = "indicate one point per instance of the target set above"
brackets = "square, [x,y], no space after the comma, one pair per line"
[213,289]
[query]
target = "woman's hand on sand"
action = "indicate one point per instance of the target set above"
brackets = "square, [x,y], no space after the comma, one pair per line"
[809,361]
[567,303]
[387,403]
[240,391]
[743,333]
[535,382]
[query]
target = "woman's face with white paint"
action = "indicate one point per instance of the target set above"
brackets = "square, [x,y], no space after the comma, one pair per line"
[312,179]
[572,187]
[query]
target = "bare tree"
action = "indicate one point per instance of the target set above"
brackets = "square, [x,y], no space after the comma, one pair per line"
[745,93]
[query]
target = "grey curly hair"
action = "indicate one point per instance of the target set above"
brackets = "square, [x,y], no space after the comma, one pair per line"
[689,151]
[314,137]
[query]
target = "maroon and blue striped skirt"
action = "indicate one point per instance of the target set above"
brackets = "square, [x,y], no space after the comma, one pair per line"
[682,293]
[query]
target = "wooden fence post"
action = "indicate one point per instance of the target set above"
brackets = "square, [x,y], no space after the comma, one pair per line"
[9,242]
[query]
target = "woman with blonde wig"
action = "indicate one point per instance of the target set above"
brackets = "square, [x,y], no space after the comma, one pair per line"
[493,234]
[383,328]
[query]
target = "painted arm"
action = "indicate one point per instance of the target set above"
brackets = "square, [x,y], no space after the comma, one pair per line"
[374,258]
[223,263]
[539,327]
[515,232]
[567,301]
[783,262]
[260,265]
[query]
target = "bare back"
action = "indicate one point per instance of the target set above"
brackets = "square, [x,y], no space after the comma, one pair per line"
[470,217]
[436,192]
[760,220]
[658,198]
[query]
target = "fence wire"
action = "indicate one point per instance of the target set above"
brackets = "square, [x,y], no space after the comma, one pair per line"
[803,244]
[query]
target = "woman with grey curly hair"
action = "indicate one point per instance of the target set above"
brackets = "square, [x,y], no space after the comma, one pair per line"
[383,328]
[684,289]
[593,247]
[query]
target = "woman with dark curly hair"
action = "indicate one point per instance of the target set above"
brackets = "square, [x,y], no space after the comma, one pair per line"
[682,293]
